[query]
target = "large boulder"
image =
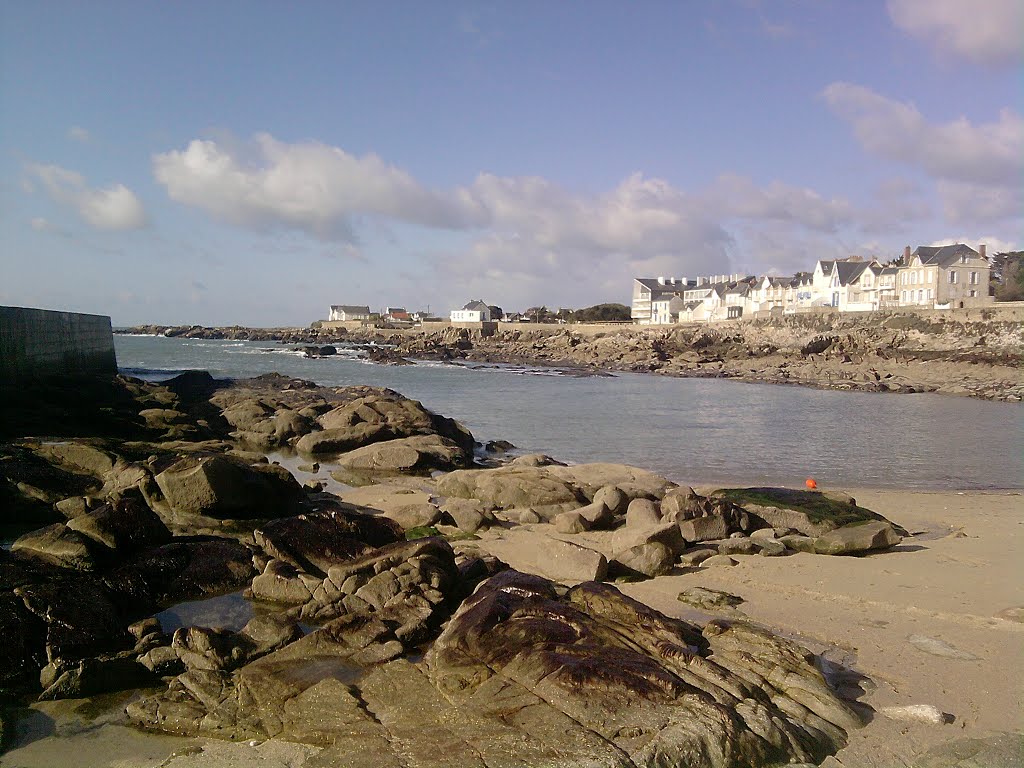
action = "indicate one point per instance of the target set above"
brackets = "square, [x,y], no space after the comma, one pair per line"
[857,538]
[228,488]
[337,440]
[125,526]
[634,482]
[511,487]
[421,453]
[315,542]
[61,546]
[549,557]
[811,513]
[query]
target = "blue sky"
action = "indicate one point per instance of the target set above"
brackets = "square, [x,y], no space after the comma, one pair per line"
[254,162]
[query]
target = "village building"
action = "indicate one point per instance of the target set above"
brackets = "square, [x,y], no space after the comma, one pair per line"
[346,313]
[473,312]
[930,277]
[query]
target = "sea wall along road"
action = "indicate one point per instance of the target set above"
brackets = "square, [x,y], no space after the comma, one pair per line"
[39,343]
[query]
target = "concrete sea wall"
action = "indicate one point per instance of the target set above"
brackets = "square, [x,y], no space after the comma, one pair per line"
[40,343]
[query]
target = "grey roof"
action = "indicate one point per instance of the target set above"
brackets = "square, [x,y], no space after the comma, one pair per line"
[350,309]
[826,265]
[476,306]
[890,270]
[849,270]
[944,255]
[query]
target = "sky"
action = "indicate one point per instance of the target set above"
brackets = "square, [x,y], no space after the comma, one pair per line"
[254,162]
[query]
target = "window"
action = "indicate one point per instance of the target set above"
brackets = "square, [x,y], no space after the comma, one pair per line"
[952,277]
[903,296]
[973,294]
[974,280]
[931,295]
[920,275]
[920,296]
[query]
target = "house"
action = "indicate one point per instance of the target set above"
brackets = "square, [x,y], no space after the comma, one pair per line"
[473,312]
[944,276]
[648,290]
[666,308]
[345,312]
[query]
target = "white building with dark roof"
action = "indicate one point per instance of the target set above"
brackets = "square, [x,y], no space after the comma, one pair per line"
[346,312]
[473,312]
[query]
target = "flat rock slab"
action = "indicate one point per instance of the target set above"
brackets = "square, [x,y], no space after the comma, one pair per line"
[552,558]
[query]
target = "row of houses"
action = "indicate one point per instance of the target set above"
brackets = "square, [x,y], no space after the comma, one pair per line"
[347,313]
[929,277]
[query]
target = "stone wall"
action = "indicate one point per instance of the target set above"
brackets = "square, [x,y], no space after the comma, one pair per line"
[38,343]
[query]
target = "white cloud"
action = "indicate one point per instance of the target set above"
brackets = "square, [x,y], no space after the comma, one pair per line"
[39,224]
[989,31]
[309,186]
[113,208]
[992,153]
[78,133]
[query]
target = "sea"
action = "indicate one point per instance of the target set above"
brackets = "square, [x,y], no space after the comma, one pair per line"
[692,431]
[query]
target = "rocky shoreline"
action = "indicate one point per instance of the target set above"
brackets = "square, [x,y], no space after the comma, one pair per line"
[973,354]
[439,572]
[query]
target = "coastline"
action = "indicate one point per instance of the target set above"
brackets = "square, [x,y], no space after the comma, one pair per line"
[935,621]
[972,353]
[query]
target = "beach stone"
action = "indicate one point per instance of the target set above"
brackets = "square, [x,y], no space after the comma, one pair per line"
[916,713]
[664,533]
[535,460]
[280,583]
[704,528]
[61,546]
[633,481]
[681,504]
[73,506]
[419,453]
[597,516]
[224,487]
[857,538]
[718,560]
[125,525]
[940,648]
[414,515]
[770,547]
[766,533]
[650,559]
[551,558]
[693,557]
[77,457]
[512,486]
[341,439]
[642,513]
[613,498]
[469,516]
[708,599]
[316,541]
[740,545]
[570,522]
[798,542]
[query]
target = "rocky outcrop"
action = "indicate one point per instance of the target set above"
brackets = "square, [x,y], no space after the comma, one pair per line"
[521,676]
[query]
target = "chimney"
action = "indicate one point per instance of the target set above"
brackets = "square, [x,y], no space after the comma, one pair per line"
[982,251]
[906,256]
[661,281]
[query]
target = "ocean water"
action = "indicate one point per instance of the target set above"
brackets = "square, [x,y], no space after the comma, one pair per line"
[693,431]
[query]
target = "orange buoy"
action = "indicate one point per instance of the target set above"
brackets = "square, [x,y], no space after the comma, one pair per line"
[811,485]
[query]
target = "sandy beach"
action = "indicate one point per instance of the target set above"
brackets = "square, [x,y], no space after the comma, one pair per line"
[937,621]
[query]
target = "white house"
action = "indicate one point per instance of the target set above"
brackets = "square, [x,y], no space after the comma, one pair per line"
[473,312]
[345,312]
[649,290]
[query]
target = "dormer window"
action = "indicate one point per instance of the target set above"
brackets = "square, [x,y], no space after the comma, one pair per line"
[963,259]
